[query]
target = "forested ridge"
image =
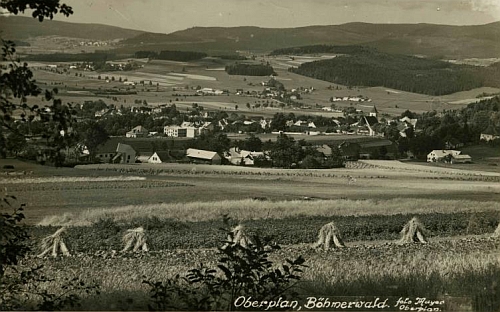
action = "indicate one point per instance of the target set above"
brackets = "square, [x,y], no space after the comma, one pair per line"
[369,67]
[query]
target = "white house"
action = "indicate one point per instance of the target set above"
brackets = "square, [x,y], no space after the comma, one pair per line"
[491,133]
[438,155]
[159,157]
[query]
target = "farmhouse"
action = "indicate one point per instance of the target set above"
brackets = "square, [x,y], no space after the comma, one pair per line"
[491,133]
[241,157]
[137,132]
[125,154]
[439,155]
[116,153]
[209,91]
[461,159]
[378,149]
[159,157]
[202,156]
[349,150]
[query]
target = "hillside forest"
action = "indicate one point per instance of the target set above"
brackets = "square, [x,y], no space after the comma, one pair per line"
[358,66]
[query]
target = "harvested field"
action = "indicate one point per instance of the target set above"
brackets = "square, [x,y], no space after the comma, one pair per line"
[180,209]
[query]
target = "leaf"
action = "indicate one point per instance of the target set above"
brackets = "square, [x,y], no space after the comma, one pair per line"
[226,271]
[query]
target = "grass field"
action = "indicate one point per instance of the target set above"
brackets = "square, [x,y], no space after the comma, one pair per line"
[181,206]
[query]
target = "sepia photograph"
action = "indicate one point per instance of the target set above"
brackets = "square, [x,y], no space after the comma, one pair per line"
[257,155]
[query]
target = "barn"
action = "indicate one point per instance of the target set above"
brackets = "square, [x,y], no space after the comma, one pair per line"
[202,156]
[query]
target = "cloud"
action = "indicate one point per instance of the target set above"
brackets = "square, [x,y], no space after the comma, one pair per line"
[485,5]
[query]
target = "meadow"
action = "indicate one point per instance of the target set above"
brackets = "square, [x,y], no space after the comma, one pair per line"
[181,206]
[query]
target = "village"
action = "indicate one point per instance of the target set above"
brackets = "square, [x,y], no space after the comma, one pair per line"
[145,132]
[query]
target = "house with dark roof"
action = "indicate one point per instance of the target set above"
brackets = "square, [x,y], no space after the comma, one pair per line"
[137,132]
[378,149]
[365,125]
[491,133]
[116,153]
[125,154]
[349,150]
[374,112]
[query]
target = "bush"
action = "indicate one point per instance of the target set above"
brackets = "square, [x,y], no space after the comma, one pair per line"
[21,287]
[240,272]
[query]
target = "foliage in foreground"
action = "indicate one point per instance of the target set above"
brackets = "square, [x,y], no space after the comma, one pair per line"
[22,287]
[241,271]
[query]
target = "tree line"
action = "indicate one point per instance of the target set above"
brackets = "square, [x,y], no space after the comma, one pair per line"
[71,57]
[250,69]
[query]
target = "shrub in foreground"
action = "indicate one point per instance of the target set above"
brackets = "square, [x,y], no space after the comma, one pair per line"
[242,271]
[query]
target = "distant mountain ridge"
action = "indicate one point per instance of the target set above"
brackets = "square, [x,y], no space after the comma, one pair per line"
[477,41]
[481,41]
[21,28]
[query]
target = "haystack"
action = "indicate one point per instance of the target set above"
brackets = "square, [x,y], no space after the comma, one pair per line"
[136,235]
[54,243]
[413,232]
[239,236]
[497,231]
[328,233]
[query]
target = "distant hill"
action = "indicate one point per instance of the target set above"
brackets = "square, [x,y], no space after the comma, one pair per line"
[19,28]
[481,41]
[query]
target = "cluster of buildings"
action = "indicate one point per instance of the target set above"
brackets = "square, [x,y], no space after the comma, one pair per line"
[188,129]
[350,99]
[448,156]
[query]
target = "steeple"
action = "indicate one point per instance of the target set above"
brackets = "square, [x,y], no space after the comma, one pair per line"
[374,111]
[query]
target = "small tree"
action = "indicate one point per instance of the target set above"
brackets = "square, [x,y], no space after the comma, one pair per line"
[328,233]
[413,232]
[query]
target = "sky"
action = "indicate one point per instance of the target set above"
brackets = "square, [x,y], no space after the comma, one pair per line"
[165,16]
